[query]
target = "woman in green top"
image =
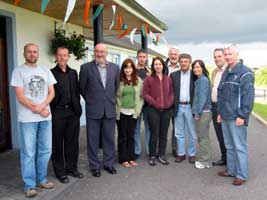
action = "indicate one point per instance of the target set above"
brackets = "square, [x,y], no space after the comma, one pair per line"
[129,105]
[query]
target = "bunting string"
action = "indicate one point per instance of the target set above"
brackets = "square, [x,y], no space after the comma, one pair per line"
[121,25]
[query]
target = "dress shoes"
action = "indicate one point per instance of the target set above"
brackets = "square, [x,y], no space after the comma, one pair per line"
[136,156]
[110,170]
[224,174]
[76,174]
[63,179]
[96,173]
[174,153]
[238,181]
[191,159]
[220,162]
[180,159]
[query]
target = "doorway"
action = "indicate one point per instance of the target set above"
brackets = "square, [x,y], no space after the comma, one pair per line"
[5,133]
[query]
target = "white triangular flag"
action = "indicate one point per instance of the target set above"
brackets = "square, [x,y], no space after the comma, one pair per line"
[152,35]
[70,7]
[132,33]
[113,18]
[164,40]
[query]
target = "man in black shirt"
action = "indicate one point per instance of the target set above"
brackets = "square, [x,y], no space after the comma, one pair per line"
[66,112]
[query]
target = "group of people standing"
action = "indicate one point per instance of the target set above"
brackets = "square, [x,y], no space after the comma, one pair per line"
[177,90]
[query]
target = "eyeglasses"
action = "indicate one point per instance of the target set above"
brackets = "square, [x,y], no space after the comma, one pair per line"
[100,51]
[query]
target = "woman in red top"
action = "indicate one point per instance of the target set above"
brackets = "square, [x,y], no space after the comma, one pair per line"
[158,93]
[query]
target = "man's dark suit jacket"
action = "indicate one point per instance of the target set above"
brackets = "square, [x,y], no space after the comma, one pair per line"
[176,80]
[74,89]
[100,100]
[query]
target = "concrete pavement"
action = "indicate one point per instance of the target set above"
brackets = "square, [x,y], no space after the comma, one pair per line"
[176,181]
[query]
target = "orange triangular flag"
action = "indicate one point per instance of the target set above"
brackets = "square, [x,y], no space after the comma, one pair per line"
[86,12]
[147,29]
[16,2]
[124,33]
[157,38]
[119,22]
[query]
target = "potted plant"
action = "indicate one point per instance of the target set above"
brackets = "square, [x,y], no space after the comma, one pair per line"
[75,43]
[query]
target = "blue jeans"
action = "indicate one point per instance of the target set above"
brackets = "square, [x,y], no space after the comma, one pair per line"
[184,118]
[235,138]
[137,133]
[35,151]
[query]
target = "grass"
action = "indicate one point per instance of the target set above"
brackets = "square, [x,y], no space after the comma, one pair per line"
[261,109]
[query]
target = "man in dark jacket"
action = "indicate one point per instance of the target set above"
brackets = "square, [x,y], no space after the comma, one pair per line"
[183,85]
[66,112]
[216,76]
[99,81]
[235,103]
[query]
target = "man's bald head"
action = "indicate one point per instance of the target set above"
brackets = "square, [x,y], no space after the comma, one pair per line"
[101,53]
[26,46]
[31,53]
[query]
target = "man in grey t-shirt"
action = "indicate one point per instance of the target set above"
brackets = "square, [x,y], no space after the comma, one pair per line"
[34,90]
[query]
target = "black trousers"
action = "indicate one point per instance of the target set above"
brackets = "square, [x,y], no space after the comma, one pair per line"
[65,141]
[126,126]
[218,130]
[159,123]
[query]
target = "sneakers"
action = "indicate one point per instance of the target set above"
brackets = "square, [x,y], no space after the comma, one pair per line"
[47,185]
[152,161]
[31,193]
[163,160]
[200,165]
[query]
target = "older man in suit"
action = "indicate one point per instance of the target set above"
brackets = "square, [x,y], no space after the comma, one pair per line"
[99,81]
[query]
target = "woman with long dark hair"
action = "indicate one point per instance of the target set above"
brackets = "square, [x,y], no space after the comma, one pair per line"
[158,93]
[128,109]
[202,113]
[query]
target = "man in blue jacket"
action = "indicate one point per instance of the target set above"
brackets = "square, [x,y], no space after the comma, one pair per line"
[235,102]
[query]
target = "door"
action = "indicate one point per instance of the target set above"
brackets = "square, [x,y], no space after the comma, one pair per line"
[4,102]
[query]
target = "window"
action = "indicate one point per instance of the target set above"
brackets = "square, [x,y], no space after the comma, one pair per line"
[115,58]
[90,55]
[133,58]
[112,57]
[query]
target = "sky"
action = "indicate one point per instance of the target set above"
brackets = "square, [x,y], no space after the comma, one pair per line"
[199,26]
